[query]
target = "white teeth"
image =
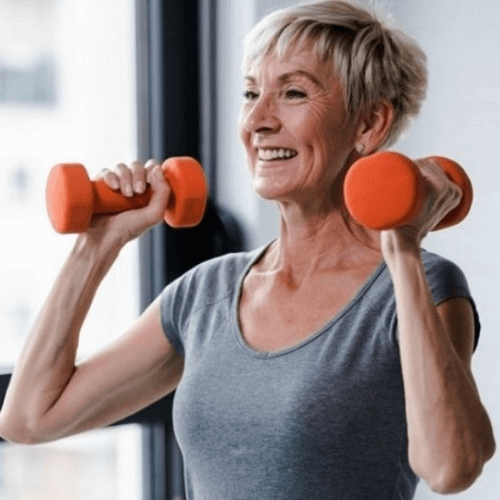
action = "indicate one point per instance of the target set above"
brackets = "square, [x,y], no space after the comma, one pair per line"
[274,154]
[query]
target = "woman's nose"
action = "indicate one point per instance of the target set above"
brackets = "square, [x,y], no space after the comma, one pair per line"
[262,117]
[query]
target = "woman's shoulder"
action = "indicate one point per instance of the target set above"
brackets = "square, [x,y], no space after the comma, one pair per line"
[446,279]
[218,276]
[227,267]
[442,269]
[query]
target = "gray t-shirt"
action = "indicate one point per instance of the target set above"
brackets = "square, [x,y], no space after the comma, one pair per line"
[324,419]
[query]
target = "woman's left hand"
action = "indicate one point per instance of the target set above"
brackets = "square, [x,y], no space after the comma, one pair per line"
[440,196]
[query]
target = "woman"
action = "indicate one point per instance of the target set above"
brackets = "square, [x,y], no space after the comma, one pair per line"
[334,362]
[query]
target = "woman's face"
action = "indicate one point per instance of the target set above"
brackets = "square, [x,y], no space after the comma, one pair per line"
[293,126]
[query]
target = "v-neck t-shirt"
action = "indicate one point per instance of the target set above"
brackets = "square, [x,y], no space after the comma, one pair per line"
[322,419]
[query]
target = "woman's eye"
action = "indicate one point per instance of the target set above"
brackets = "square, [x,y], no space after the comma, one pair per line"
[249,95]
[295,94]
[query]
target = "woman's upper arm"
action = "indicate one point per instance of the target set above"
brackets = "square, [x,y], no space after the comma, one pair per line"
[134,371]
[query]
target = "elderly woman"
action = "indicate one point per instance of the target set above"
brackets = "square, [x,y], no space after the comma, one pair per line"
[335,362]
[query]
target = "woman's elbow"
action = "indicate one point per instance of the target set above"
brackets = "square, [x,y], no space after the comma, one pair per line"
[17,433]
[17,436]
[455,481]
[461,476]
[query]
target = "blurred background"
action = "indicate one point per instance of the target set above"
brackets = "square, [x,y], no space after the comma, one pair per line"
[67,93]
[98,82]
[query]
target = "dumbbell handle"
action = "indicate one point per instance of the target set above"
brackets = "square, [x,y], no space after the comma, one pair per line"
[384,191]
[109,201]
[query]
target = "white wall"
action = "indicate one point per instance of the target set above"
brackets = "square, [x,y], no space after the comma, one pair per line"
[461,119]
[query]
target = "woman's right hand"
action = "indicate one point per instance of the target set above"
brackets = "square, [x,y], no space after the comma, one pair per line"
[130,180]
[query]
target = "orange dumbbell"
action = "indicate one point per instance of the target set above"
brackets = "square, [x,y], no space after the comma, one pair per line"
[384,191]
[73,199]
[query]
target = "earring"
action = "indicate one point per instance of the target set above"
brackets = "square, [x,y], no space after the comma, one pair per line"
[360,148]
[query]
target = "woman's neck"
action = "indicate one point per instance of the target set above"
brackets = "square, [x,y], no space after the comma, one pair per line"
[318,243]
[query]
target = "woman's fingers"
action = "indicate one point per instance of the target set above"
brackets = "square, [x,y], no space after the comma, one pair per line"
[139,174]
[129,179]
[149,166]
[133,179]
[124,174]
[110,177]
[443,194]
[161,189]
[448,189]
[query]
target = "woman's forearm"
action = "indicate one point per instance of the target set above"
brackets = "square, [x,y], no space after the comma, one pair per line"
[47,361]
[448,428]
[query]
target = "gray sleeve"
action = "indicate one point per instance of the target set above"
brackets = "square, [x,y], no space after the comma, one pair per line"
[447,281]
[171,308]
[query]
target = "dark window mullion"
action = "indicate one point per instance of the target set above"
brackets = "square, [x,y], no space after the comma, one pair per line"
[169,111]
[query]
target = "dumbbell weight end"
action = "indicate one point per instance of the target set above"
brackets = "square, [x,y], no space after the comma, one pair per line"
[189,196]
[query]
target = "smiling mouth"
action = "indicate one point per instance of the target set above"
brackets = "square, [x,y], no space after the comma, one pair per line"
[274,154]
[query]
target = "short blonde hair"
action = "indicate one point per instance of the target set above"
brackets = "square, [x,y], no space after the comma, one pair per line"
[373,59]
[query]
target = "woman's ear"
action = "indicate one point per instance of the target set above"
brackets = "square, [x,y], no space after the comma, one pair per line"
[374,125]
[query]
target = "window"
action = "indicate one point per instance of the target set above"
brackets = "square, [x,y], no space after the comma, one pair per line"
[67,93]
[100,465]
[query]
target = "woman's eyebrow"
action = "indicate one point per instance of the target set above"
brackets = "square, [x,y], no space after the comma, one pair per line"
[286,77]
